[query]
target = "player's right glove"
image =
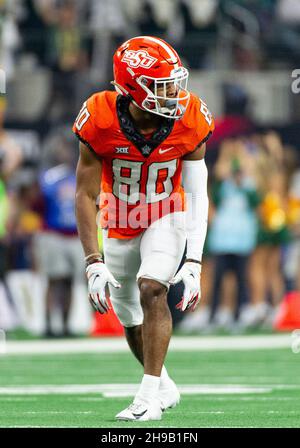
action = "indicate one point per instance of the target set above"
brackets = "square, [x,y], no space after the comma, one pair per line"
[98,276]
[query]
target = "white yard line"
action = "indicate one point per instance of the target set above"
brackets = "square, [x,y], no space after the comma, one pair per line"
[129,390]
[178,343]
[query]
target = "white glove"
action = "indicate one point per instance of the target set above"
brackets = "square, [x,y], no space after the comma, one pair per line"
[98,275]
[190,275]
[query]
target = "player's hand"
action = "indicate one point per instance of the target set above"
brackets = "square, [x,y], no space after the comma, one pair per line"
[98,276]
[190,275]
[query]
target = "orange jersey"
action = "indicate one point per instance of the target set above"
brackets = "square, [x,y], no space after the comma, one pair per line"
[141,176]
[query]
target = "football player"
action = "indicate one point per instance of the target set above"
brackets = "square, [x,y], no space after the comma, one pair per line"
[146,143]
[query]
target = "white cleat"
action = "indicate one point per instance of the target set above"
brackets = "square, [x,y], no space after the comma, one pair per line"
[141,411]
[169,397]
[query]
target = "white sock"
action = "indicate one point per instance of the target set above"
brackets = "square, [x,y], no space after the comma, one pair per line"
[149,387]
[164,378]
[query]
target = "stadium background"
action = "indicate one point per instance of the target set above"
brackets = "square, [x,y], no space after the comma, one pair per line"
[242,56]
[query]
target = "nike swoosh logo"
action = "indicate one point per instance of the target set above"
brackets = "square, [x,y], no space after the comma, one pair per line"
[140,415]
[162,151]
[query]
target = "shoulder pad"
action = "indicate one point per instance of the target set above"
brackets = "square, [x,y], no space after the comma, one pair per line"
[191,115]
[100,106]
[198,118]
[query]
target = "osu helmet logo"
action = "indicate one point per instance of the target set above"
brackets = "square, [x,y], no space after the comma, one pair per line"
[138,58]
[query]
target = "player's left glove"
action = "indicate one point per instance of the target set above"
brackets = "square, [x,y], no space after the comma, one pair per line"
[190,275]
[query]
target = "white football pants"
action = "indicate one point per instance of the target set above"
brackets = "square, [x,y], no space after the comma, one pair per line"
[154,254]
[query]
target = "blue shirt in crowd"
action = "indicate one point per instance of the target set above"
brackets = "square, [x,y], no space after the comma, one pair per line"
[234,226]
[58,186]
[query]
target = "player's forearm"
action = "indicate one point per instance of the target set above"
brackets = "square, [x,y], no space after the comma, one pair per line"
[86,215]
[88,177]
[194,179]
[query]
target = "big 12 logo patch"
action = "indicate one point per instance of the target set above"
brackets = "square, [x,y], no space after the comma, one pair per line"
[138,58]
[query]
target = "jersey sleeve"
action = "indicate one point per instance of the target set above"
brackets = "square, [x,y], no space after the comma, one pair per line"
[85,127]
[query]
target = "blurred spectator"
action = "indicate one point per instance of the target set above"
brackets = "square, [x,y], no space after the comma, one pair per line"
[292,255]
[67,56]
[9,38]
[235,122]
[5,298]
[10,152]
[283,39]
[33,30]
[148,23]
[57,248]
[247,54]
[25,220]
[110,27]
[66,49]
[3,232]
[10,160]
[199,20]
[266,277]
[233,230]
[166,16]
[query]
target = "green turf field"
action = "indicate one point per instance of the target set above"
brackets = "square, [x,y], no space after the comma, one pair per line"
[238,388]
